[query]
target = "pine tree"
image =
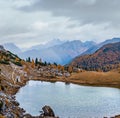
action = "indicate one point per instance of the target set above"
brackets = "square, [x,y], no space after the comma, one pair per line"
[36,61]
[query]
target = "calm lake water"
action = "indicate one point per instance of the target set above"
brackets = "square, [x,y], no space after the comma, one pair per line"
[69,101]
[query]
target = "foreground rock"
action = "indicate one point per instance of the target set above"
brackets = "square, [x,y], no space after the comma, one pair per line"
[9,107]
[46,113]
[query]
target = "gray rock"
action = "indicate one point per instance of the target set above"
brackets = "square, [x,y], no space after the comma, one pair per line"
[48,111]
[10,115]
[15,103]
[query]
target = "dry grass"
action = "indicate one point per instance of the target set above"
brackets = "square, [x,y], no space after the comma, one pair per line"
[111,78]
[93,78]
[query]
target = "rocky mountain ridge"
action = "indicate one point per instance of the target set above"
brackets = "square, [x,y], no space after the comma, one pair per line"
[60,53]
[96,47]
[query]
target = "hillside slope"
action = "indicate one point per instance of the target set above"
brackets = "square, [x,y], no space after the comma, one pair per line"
[6,57]
[106,58]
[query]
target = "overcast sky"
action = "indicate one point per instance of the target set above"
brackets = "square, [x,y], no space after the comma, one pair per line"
[31,22]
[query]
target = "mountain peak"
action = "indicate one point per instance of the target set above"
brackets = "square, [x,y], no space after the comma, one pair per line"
[2,48]
[54,42]
[12,47]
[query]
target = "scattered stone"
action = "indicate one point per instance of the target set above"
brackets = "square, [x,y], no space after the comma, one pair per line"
[10,115]
[15,103]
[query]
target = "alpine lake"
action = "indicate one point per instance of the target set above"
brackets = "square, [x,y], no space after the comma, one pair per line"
[69,100]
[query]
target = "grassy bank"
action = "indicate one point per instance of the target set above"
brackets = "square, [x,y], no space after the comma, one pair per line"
[92,78]
[111,78]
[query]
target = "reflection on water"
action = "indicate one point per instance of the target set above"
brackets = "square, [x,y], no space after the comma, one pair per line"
[70,100]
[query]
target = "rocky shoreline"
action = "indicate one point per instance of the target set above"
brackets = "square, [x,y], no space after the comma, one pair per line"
[9,107]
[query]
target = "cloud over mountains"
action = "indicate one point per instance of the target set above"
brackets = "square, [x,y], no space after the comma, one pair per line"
[31,22]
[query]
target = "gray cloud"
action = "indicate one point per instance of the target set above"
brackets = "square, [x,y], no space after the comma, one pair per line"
[85,11]
[30,22]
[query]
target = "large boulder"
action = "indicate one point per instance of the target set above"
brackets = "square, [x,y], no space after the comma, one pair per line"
[47,111]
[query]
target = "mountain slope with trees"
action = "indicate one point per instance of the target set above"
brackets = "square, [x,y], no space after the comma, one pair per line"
[105,59]
[6,57]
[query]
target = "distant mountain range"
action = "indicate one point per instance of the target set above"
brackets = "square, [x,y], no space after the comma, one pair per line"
[49,44]
[96,47]
[105,58]
[61,52]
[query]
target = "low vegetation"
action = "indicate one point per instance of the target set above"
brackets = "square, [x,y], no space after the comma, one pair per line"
[111,78]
